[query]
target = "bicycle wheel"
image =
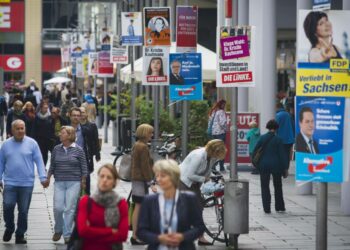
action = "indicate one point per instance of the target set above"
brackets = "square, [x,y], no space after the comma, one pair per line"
[117,160]
[213,219]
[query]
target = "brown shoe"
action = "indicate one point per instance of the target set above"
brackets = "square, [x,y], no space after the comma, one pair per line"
[56,236]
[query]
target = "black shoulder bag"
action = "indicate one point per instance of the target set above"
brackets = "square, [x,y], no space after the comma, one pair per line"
[258,152]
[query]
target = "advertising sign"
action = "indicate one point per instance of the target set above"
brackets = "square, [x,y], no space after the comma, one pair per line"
[186,28]
[319,138]
[235,57]
[323,64]
[105,40]
[93,64]
[12,17]
[157,26]
[155,66]
[185,76]
[321,4]
[12,63]
[132,28]
[243,119]
[119,55]
[105,68]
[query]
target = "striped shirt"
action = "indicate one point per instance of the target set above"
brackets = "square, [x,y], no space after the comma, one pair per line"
[68,164]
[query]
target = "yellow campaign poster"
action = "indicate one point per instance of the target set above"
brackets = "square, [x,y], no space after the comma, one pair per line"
[323,53]
[5,1]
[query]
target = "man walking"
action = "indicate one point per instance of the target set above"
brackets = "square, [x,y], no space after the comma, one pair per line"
[285,129]
[87,139]
[17,157]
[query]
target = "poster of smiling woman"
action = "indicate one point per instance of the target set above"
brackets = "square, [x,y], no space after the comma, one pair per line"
[323,53]
[157,26]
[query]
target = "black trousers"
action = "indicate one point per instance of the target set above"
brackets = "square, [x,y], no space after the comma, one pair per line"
[265,191]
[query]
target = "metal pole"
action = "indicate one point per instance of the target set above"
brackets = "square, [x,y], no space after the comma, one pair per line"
[133,95]
[321,216]
[95,76]
[184,131]
[1,81]
[105,110]
[155,91]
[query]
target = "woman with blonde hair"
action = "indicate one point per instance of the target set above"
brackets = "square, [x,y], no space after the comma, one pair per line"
[102,219]
[197,166]
[170,219]
[141,173]
[68,166]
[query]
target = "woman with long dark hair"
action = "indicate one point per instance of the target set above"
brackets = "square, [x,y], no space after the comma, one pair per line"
[155,67]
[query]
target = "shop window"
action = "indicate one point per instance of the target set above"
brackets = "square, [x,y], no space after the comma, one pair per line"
[11,49]
[13,76]
[60,14]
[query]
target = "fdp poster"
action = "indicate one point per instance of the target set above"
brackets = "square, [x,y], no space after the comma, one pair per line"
[105,68]
[119,55]
[132,28]
[186,28]
[319,138]
[323,53]
[93,64]
[185,76]
[243,119]
[157,26]
[235,57]
[155,66]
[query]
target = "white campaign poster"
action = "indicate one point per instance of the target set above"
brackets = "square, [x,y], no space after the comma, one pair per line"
[119,55]
[235,56]
[106,39]
[132,28]
[93,64]
[80,68]
[155,66]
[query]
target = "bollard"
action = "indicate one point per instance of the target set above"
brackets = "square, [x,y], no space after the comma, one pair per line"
[236,218]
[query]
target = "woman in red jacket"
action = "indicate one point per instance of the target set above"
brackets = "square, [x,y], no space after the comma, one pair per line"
[102,221]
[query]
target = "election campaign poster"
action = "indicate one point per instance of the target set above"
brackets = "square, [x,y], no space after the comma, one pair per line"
[235,56]
[119,55]
[93,64]
[321,4]
[323,53]
[76,50]
[185,76]
[79,67]
[105,67]
[319,123]
[106,40]
[186,28]
[157,26]
[155,66]
[65,55]
[85,59]
[88,43]
[132,28]
[243,121]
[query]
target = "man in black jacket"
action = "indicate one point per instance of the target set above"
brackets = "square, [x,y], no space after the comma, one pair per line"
[3,113]
[87,139]
[304,141]
[175,77]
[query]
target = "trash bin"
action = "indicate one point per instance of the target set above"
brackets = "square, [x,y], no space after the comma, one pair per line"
[236,208]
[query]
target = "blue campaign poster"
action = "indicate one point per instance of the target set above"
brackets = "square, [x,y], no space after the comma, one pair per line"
[319,138]
[185,76]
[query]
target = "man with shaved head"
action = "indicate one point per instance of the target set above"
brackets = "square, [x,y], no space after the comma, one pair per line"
[18,156]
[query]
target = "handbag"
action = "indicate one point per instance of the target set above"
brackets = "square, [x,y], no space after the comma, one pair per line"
[124,169]
[210,127]
[75,241]
[258,153]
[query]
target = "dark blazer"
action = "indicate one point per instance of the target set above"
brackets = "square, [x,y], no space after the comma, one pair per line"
[92,145]
[274,158]
[302,146]
[176,81]
[190,220]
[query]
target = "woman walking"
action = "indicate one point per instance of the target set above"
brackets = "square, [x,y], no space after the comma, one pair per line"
[141,173]
[68,166]
[217,124]
[273,161]
[170,219]
[102,220]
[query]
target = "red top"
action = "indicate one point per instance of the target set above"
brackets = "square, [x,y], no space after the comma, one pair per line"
[96,235]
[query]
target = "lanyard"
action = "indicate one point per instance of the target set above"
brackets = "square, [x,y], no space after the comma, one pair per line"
[167,223]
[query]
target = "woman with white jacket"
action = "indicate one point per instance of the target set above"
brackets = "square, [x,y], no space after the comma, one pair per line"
[196,169]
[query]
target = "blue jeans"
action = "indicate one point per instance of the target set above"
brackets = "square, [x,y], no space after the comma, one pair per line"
[21,196]
[65,198]
[220,137]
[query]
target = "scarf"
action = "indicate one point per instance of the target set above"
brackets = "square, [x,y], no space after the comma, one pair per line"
[43,116]
[110,200]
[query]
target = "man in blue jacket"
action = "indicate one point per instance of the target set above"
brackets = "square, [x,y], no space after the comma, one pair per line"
[17,157]
[285,129]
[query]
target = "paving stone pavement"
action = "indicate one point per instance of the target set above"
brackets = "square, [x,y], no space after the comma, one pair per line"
[294,229]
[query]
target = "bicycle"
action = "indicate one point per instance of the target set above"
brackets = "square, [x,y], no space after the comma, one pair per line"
[122,156]
[214,209]
[170,149]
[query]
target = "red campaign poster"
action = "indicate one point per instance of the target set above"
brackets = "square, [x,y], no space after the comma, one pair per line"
[186,28]
[243,119]
[105,68]
[12,17]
